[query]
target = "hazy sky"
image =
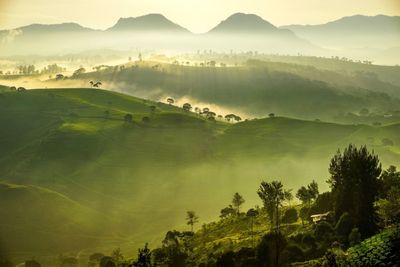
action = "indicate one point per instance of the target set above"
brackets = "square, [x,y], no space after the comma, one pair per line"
[196,15]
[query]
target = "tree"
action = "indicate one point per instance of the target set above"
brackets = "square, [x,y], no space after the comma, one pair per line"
[252,213]
[289,196]
[170,100]
[117,256]
[290,216]
[144,257]
[389,178]
[388,208]
[237,201]
[191,218]
[79,72]
[354,180]
[304,214]
[308,194]
[227,212]
[270,248]
[187,107]
[272,195]
[152,109]
[271,115]
[128,118]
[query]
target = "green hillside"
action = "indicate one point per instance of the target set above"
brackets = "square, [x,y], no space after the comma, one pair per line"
[135,180]
[257,88]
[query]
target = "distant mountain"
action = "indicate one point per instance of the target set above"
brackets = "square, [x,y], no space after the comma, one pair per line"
[241,22]
[148,23]
[247,23]
[353,31]
[357,24]
[63,27]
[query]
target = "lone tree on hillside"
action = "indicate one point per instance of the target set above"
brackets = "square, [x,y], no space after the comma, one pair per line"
[237,201]
[354,182]
[191,218]
[187,107]
[128,118]
[170,100]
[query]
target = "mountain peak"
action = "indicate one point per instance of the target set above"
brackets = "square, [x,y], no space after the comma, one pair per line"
[150,22]
[241,22]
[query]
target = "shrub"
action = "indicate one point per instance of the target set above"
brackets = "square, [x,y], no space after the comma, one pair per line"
[354,237]
[290,216]
[323,231]
[293,253]
[344,226]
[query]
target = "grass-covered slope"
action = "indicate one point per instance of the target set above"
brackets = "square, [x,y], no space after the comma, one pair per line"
[144,175]
[257,88]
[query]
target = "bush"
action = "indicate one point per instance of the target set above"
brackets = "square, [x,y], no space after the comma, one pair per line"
[31,263]
[379,250]
[354,237]
[344,226]
[271,244]
[322,204]
[293,253]
[323,231]
[290,216]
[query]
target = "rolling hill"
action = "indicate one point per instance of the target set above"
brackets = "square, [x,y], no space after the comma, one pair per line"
[287,89]
[61,152]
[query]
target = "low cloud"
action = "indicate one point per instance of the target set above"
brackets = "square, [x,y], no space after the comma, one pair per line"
[9,36]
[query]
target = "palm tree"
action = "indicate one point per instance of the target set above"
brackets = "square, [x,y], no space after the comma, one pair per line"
[191,218]
[272,194]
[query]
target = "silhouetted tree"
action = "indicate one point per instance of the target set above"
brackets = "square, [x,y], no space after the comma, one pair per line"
[252,213]
[227,212]
[117,256]
[128,118]
[270,248]
[170,100]
[354,183]
[187,107]
[237,201]
[272,195]
[191,218]
[144,257]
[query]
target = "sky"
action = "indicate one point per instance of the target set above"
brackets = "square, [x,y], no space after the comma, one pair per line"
[196,15]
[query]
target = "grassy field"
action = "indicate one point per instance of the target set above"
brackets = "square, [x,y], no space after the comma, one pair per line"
[110,183]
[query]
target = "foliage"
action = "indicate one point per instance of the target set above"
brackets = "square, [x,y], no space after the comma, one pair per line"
[379,250]
[270,250]
[290,216]
[272,194]
[354,180]
[344,226]
[191,218]
[144,257]
[237,201]
[388,208]
[354,237]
